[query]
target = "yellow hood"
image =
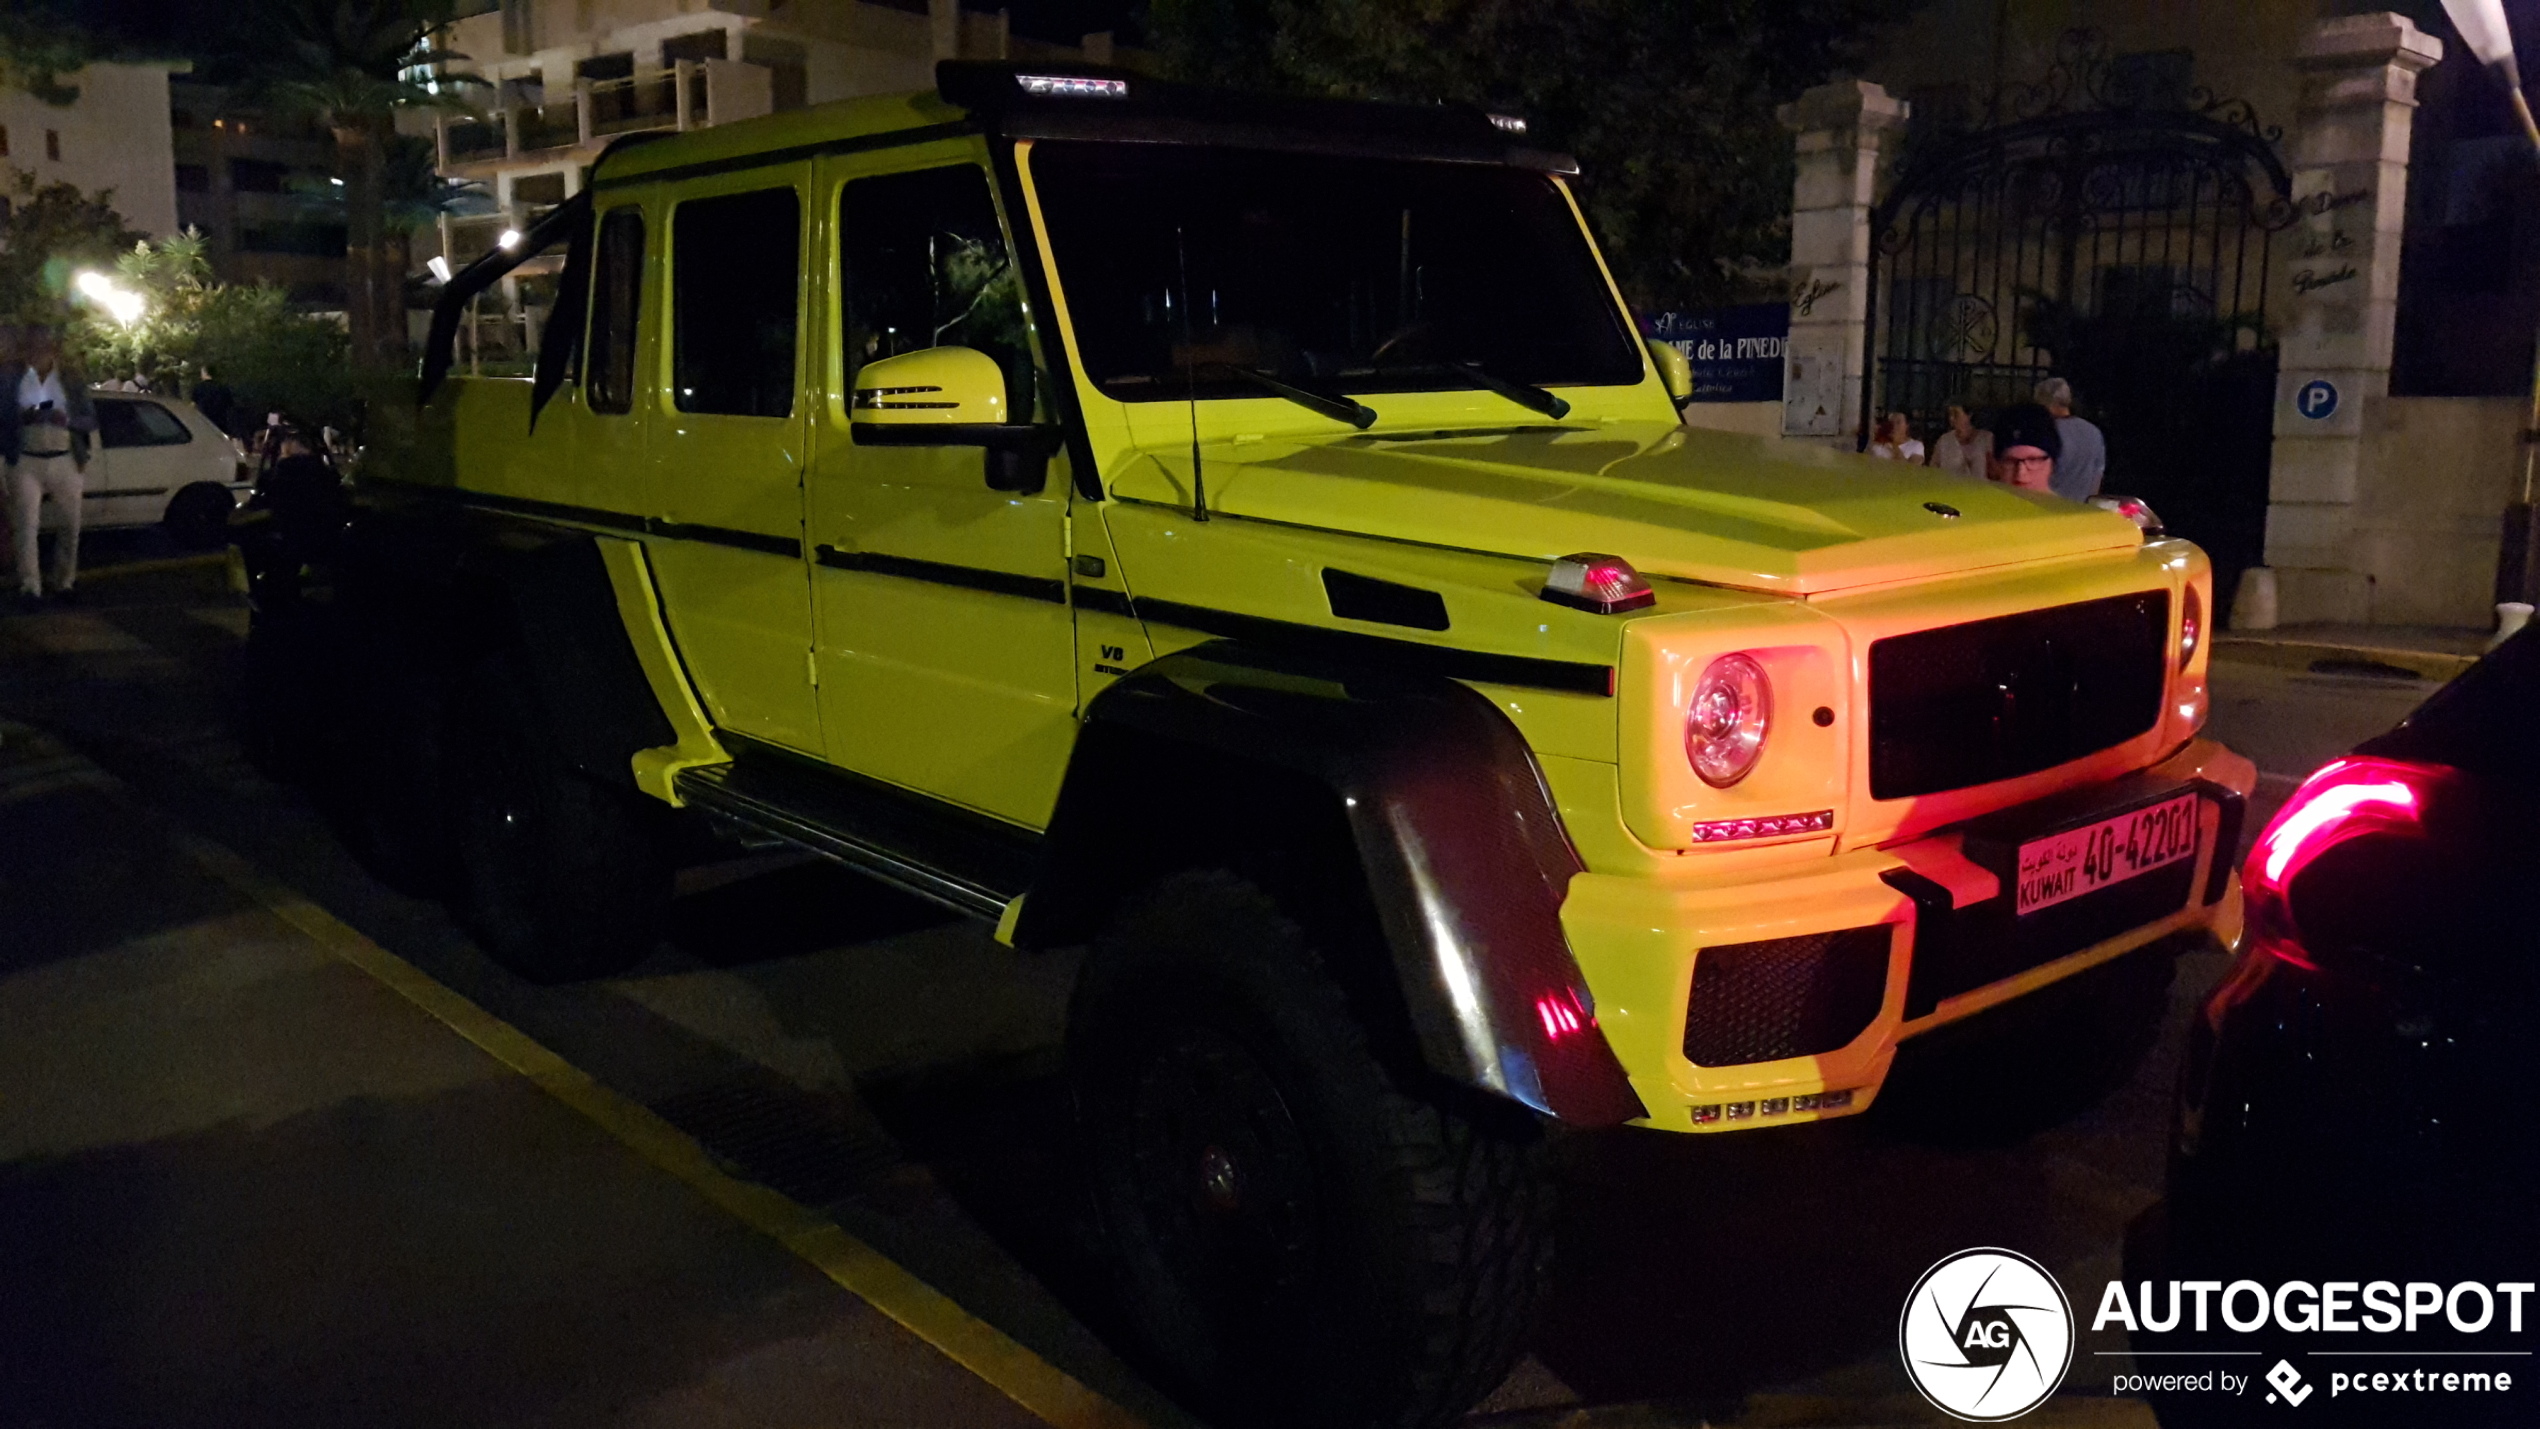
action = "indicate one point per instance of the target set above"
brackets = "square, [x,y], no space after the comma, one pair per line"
[1745,512]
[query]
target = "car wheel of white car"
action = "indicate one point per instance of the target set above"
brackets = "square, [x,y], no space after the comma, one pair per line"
[198,516]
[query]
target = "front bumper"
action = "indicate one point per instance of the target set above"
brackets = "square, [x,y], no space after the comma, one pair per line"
[1639,941]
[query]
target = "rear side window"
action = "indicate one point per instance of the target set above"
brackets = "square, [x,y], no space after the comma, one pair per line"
[927,266]
[734,275]
[139,424]
[617,290]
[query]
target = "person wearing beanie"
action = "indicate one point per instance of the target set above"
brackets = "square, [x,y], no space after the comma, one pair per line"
[2025,448]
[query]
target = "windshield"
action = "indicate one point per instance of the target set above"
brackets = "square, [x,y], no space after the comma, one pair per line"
[1350,275]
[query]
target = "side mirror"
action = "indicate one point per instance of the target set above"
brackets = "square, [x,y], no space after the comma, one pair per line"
[951,397]
[937,386]
[1674,369]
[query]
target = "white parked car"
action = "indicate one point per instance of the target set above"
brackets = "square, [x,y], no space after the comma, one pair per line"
[158,459]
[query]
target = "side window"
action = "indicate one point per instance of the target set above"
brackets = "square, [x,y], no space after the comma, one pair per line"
[927,266]
[617,290]
[734,275]
[138,424]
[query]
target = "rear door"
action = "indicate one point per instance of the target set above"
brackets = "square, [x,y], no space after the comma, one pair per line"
[947,660]
[139,459]
[728,452]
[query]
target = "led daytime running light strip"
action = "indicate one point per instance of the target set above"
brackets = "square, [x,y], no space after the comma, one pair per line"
[1772,1106]
[1771,827]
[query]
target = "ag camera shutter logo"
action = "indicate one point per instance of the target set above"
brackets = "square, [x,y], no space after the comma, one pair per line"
[1987,1335]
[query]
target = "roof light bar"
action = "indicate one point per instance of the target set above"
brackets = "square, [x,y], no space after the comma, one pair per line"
[1605,584]
[1072,86]
[1508,123]
[1771,827]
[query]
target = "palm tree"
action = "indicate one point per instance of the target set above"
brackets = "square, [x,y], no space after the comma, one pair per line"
[344,63]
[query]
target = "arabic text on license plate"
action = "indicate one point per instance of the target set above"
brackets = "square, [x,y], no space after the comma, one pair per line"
[2083,860]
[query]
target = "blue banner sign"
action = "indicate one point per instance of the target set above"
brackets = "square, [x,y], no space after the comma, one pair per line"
[1736,352]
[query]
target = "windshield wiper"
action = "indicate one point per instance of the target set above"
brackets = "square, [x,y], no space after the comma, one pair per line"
[1329,404]
[1524,394]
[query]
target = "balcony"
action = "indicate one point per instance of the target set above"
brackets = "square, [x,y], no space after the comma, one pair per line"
[691,94]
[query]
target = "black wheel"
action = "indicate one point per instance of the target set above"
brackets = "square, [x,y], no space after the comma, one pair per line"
[385,786]
[1303,1234]
[559,875]
[197,517]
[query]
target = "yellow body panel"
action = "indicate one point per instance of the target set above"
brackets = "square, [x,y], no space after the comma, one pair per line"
[1799,556]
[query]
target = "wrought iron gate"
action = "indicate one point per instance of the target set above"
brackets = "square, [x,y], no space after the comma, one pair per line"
[2113,226]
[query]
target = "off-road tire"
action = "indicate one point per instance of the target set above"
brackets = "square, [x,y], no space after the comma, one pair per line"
[559,875]
[1386,1270]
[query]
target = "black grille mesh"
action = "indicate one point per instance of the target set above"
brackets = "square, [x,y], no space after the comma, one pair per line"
[1994,699]
[1785,997]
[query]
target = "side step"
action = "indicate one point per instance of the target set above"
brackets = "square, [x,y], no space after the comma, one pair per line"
[946,855]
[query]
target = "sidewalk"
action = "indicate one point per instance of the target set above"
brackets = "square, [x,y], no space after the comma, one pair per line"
[2427,651]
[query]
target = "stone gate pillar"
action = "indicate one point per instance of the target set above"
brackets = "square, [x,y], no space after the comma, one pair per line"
[1842,133]
[2339,294]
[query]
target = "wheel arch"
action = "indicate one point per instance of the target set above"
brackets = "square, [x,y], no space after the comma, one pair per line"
[1449,829]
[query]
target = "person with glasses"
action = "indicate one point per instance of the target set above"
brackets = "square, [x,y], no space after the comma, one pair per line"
[2025,448]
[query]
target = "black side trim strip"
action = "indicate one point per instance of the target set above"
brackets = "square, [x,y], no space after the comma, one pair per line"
[612,520]
[1481,667]
[1044,588]
[726,536]
[858,144]
[1109,602]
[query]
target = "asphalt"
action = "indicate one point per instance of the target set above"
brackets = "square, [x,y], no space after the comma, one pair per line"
[245,1181]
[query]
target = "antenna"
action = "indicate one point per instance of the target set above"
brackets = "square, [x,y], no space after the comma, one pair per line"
[1190,378]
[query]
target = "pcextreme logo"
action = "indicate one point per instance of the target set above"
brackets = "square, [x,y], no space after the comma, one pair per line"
[1987,1335]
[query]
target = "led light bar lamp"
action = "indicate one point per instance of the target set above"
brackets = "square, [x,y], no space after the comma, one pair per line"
[2481,24]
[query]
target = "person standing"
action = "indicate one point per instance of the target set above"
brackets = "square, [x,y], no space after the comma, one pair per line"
[2027,449]
[1965,449]
[2084,463]
[44,441]
[1895,439]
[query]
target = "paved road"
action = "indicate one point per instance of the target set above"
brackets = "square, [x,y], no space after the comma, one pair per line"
[246,1183]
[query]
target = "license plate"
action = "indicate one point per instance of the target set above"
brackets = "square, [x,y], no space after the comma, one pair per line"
[2065,866]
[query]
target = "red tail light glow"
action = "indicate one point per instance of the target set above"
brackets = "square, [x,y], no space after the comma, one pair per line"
[2346,799]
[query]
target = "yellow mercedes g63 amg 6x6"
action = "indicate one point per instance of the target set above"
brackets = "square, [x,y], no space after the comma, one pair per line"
[1247,539]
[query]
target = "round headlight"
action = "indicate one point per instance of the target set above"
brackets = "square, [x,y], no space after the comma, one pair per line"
[1724,729]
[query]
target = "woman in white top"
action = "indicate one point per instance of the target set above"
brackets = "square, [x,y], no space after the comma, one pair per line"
[1895,440]
[1965,449]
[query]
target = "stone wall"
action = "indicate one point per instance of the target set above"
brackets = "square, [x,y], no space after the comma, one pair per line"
[2434,478]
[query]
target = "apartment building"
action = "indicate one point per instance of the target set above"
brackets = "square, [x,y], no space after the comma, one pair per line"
[551,82]
[249,182]
[114,137]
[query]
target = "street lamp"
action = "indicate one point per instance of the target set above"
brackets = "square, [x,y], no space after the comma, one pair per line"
[2482,27]
[121,303]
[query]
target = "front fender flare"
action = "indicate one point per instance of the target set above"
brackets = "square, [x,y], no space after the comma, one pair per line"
[1463,852]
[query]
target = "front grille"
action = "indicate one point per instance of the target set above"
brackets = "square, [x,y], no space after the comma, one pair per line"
[1785,997]
[1994,699]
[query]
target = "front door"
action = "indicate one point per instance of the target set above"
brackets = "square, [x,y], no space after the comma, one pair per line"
[947,660]
[728,434]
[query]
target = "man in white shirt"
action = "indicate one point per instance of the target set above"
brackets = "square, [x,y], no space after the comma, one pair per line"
[45,444]
[2084,463]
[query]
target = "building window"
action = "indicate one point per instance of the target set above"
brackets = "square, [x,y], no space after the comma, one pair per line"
[53,144]
[735,273]
[313,240]
[257,176]
[193,179]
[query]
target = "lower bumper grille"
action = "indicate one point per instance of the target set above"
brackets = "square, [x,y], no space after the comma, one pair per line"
[1994,699]
[1785,997]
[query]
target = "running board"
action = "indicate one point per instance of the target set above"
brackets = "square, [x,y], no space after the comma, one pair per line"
[948,856]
